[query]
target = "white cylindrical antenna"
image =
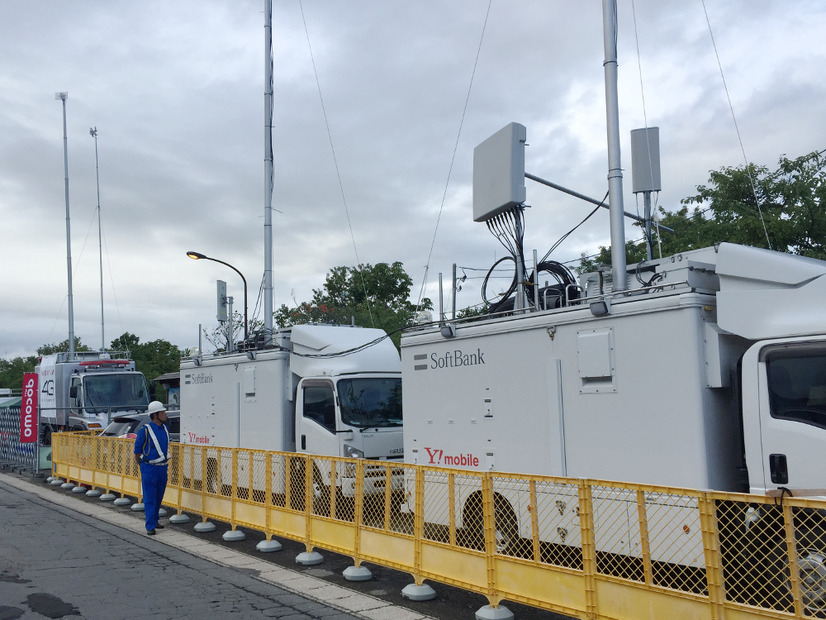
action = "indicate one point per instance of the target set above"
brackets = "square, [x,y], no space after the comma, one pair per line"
[609,28]
[63,97]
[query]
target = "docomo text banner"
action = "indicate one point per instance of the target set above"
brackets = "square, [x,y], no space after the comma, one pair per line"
[28,409]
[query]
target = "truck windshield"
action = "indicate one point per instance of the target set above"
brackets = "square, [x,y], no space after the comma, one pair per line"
[370,401]
[116,392]
[797,384]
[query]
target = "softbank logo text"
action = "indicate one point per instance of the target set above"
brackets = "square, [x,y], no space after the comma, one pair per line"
[452,359]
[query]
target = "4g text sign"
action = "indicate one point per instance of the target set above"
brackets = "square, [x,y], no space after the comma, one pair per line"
[28,409]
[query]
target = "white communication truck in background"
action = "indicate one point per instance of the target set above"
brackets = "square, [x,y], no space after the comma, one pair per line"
[86,390]
[319,389]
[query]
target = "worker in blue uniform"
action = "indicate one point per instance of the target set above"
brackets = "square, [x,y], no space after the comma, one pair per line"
[152,455]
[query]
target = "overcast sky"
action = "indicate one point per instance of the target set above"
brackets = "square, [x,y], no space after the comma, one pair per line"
[176,91]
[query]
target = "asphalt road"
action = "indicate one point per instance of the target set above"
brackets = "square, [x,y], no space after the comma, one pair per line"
[79,556]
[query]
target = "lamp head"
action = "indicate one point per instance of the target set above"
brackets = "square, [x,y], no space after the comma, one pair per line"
[195,255]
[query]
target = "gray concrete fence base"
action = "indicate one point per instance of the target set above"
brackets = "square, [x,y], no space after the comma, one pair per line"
[357,573]
[494,613]
[233,536]
[309,558]
[419,593]
[179,518]
[268,546]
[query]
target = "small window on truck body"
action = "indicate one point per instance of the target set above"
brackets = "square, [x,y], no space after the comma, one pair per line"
[797,383]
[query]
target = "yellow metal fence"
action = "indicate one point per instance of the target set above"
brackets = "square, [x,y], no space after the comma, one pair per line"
[586,548]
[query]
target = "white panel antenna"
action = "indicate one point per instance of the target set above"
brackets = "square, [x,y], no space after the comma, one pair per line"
[499,172]
[645,160]
[222,301]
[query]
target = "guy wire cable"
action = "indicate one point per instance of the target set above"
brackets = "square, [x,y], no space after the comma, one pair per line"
[335,164]
[453,156]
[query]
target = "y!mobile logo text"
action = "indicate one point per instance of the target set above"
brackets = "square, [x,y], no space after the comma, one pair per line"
[437,456]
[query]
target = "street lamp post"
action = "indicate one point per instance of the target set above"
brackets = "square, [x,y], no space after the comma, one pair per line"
[199,256]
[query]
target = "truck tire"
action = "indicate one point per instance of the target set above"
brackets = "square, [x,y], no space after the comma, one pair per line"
[753,544]
[506,529]
[811,563]
[212,476]
[297,477]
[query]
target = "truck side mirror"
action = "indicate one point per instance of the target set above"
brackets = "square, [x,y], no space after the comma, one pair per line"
[152,390]
[73,391]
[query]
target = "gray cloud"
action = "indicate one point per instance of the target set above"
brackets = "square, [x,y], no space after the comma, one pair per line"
[176,92]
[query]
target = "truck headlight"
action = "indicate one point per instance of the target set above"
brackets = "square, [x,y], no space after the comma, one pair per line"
[352,453]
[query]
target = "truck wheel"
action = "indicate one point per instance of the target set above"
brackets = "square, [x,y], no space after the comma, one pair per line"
[345,507]
[811,564]
[297,484]
[762,553]
[811,567]
[212,476]
[321,495]
[506,530]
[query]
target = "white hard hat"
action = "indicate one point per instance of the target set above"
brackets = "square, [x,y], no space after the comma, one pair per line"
[155,406]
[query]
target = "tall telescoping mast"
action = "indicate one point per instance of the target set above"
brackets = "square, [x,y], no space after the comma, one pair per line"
[268,170]
[63,97]
[93,131]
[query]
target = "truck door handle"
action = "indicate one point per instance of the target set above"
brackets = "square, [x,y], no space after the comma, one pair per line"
[304,442]
[779,468]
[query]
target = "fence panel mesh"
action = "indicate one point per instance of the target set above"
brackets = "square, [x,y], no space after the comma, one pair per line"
[763,554]
[383,496]
[12,452]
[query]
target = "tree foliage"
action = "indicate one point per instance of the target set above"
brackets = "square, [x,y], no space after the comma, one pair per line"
[49,349]
[151,358]
[746,205]
[11,371]
[367,295]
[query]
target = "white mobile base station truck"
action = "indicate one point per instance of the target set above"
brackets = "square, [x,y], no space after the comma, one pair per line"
[709,373]
[319,389]
[85,390]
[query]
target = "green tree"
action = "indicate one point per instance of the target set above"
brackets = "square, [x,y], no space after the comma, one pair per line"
[746,205]
[125,342]
[367,295]
[11,371]
[49,349]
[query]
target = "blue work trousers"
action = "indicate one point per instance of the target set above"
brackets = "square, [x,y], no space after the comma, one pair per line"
[153,483]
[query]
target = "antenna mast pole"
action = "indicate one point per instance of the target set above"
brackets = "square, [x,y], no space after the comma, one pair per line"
[618,266]
[268,170]
[93,131]
[63,97]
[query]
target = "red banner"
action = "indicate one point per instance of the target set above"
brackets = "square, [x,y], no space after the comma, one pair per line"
[28,409]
